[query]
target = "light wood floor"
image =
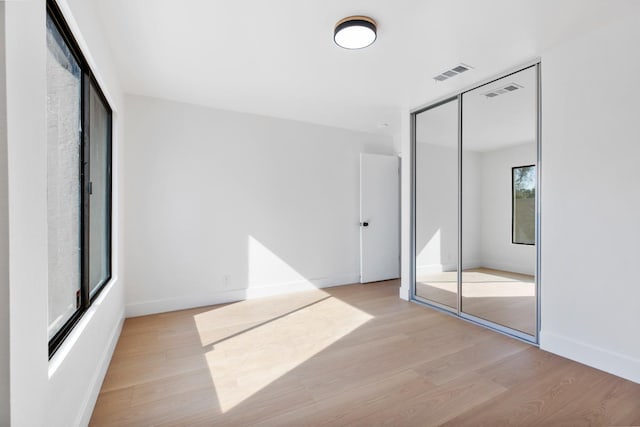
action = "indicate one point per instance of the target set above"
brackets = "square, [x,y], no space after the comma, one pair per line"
[501,297]
[352,355]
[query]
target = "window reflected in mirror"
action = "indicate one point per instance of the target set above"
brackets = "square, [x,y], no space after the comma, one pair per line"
[524,205]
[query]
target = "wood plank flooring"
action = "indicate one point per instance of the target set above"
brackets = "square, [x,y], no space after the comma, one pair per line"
[352,355]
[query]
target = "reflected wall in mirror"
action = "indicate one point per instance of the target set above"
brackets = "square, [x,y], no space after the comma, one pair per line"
[436,195]
[498,201]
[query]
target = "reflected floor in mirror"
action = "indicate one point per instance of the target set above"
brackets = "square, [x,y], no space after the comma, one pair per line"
[441,287]
[501,297]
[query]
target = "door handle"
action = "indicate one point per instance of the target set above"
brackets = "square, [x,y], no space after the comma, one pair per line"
[364,224]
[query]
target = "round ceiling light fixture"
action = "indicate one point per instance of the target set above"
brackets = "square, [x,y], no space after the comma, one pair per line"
[355,32]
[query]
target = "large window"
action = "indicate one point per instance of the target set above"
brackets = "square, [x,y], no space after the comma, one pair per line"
[78,181]
[524,205]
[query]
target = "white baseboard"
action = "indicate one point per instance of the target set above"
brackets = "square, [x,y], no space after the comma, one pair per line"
[499,265]
[471,264]
[596,357]
[232,295]
[91,398]
[435,268]
[404,293]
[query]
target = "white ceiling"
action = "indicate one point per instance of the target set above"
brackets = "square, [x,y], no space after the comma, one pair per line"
[503,121]
[438,125]
[277,57]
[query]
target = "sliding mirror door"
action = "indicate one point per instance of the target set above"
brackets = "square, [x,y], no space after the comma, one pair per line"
[499,162]
[436,205]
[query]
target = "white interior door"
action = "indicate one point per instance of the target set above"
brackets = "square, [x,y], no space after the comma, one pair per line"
[379,217]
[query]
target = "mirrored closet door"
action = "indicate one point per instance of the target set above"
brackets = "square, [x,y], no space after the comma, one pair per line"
[436,197]
[476,203]
[499,156]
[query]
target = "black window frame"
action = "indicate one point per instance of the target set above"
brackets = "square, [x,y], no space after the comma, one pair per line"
[88,80]
[513,204]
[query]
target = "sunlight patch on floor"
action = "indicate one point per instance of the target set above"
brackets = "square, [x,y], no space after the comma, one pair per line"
[244,360]
[498,290]
[478,284]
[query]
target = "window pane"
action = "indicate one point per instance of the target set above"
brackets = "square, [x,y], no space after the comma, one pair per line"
[524,205]
[63,180]
[99,214]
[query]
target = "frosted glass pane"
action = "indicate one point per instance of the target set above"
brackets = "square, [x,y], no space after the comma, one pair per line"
[63,181]
[100,137]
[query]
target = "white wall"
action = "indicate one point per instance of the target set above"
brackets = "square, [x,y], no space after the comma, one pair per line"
[60,392]
[487,209]
[223,206]
[496,249]
[471,207]
[591,199]
[4,240]
[436,208]
[26,136]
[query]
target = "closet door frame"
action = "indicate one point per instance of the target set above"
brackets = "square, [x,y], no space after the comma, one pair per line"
[414,296]
[532,339]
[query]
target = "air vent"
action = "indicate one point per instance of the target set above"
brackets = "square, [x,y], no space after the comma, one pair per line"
[458,69]
[502,90]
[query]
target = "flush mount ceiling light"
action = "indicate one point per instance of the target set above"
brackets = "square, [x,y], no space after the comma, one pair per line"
[355,32]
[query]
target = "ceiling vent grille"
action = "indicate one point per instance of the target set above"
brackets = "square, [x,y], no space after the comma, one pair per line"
[458,69]
[511,87]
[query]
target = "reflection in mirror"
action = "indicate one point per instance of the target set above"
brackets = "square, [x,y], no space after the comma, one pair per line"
[523,201]
[436,157]
[499,154]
